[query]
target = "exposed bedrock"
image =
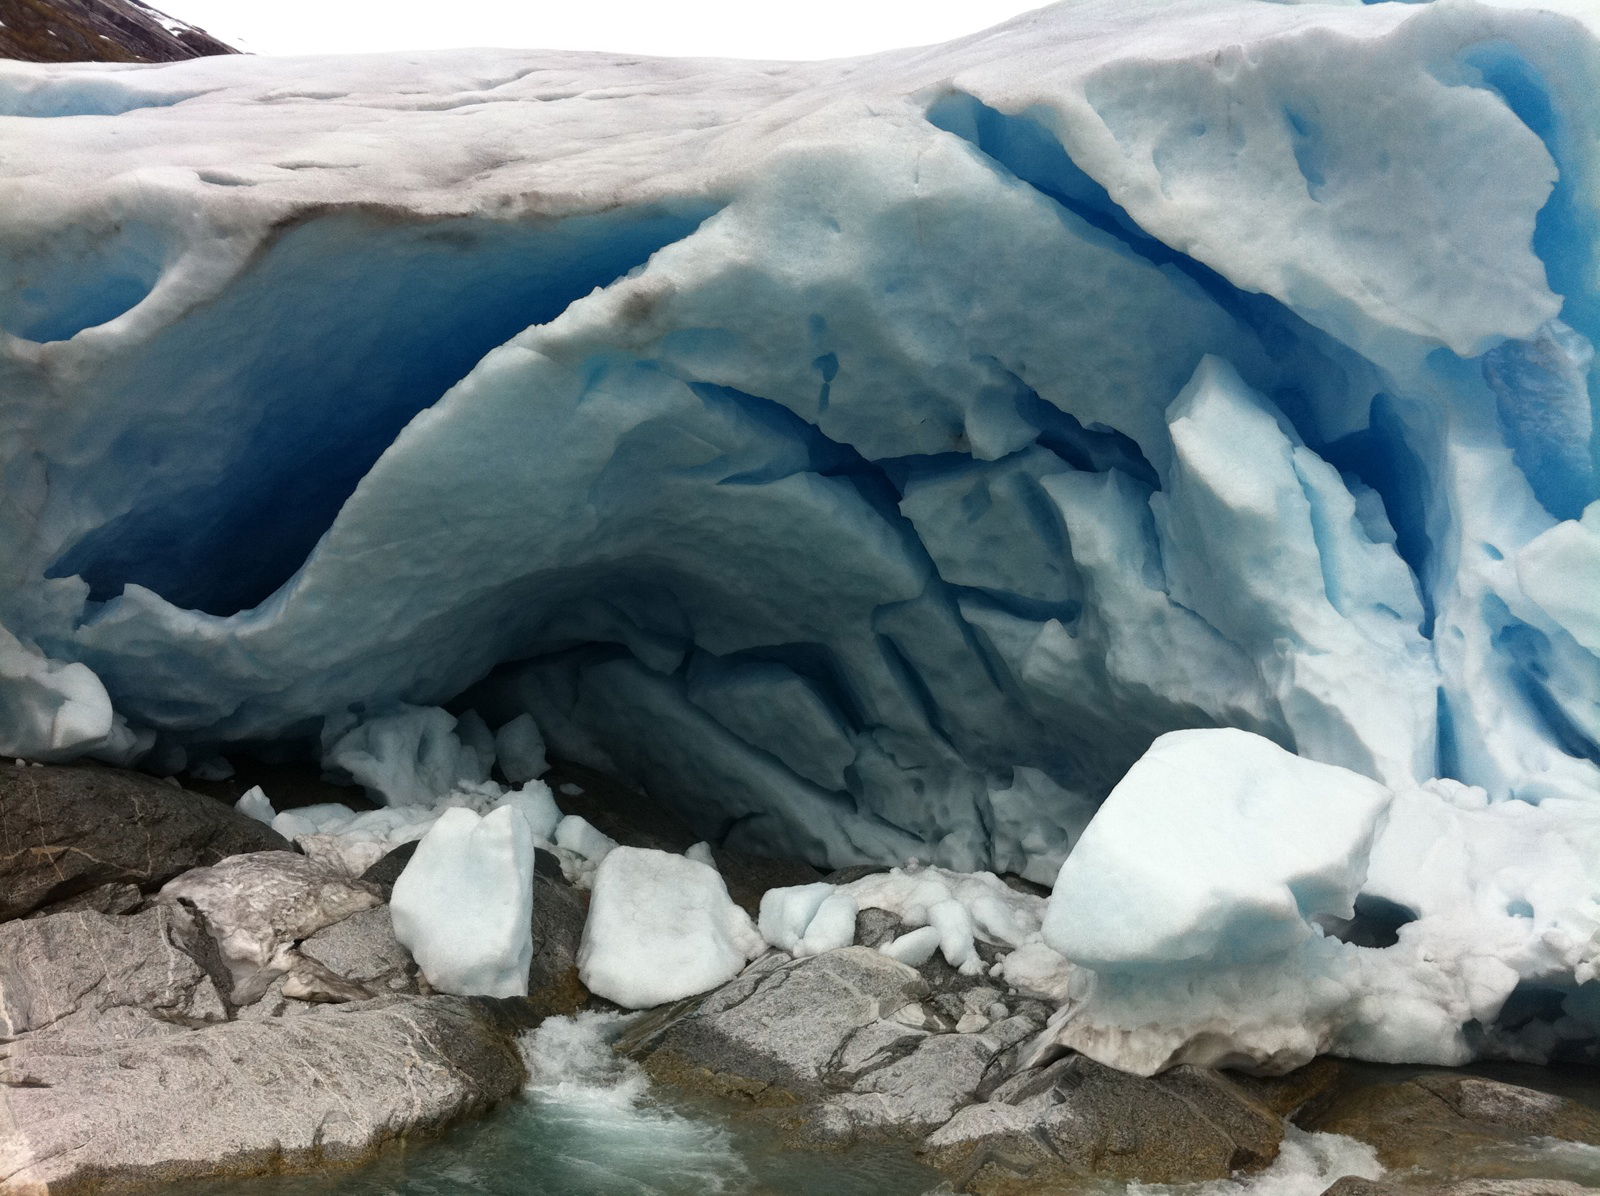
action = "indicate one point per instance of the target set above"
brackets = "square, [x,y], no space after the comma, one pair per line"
[874,458]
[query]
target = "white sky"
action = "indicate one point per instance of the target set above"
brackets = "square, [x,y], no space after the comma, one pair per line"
[731,28]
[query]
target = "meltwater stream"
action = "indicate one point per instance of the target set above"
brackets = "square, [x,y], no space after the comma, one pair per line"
[591,1124]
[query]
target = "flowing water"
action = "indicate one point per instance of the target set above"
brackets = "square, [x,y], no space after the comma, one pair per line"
[590,1124]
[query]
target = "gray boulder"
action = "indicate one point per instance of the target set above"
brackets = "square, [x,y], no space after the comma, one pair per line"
[247,1097]
[1044,1128]
[242,918]
[91,976]
[362,949]
[67,830]
[1352,1185]
[784,1023]
[1435,1119]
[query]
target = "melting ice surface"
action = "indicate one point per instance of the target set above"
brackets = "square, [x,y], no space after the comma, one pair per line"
[875,459]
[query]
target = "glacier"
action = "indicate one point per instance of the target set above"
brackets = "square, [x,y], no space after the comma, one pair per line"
[872,458]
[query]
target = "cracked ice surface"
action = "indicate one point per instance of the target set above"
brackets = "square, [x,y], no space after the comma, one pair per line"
[874,457]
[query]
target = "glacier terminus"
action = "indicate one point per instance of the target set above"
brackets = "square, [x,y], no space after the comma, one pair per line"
[1147,448]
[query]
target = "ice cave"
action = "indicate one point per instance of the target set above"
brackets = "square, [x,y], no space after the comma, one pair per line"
[1147,449]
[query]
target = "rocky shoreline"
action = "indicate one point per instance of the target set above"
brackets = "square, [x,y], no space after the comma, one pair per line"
[156,946]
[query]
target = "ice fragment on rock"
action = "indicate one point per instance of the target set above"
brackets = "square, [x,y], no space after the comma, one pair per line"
[661,927]
[463,906]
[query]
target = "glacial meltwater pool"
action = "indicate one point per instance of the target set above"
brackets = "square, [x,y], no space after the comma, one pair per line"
[591,1124]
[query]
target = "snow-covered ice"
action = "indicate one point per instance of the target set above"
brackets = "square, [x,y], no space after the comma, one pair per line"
[871,458]
[661,927]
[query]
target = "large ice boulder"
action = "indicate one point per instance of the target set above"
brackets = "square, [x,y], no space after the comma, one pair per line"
[1235,905]
[661,927]
[1218,847]
[463,906]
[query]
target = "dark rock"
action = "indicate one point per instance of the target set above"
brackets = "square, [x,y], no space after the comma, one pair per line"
[67,830]
[844,876]
[387,870]
[93,976]
[1351,1185]
[615,808]
[875,927]
[99,31]
[748,877]
[1354,1185]
[245,1098]
[1299,1093]
[559,911]
[1022,884]
[114,898]
[1437,1119]
[908,1093]
[1077,1118]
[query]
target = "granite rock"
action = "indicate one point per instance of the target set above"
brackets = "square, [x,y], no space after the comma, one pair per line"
[66,830]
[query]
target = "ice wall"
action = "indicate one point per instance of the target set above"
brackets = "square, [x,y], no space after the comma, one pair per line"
[873,457]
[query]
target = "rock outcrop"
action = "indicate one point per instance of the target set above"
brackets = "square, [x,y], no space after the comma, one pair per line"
[89,975]
[99,31]
[258,1015]
[85,833]
[852,1046]
[246,915]
[1437,1119]
[278,1094]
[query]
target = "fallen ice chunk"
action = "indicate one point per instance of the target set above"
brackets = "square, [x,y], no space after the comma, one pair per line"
[409,755]
[520,750]
[661,927]
[254,804]
[536,803]
[578,836]
[56,711]
[914,948]
[463,906]
[954,924]
[832,926]
[700,853]
[786,912]
[1217,846]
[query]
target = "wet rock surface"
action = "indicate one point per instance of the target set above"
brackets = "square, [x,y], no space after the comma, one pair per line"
[1435,1118]
[278,988]
[1352,1186]
[281,1093]
[69,831]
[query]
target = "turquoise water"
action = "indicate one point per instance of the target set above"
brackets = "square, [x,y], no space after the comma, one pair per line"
[590,1124]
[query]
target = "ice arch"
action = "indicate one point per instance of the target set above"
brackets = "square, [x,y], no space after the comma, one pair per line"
[872,457]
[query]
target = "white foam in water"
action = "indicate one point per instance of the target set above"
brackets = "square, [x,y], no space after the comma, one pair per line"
[1306,1166]
[599,1106]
